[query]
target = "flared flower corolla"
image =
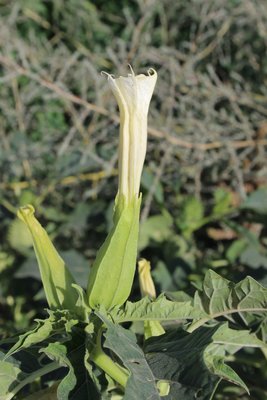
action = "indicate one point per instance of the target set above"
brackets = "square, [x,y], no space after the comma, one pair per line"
[133,94]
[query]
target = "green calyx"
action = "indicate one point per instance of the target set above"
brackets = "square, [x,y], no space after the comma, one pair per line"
[112,273]
[56,278]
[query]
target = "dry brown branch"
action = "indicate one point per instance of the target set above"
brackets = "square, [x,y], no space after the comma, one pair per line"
[66,181]
[9,64]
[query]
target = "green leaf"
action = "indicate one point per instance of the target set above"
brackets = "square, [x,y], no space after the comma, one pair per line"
[13,375]
[159,309]
[235,249]
[223,201]
[194,363]
[178,357]
[9,376]
[156,228]
[58,353]
[233,339]
[214,359]
[56,278]
[56,338]
[141,383]
[77,384]
[221,297]
[254,257]
[192,216]
[58,323]
[257,201]
[227,340]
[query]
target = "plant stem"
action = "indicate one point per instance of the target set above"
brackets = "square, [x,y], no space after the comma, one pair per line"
[103,361]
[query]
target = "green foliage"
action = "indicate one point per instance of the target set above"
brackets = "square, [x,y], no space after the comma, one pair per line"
[220,297]
[186,361]
[204,185]
[191,217]
[141,383]
[156,228]
[160,309]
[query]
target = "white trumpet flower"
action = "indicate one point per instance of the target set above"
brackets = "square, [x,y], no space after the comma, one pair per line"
[112,273]
[133,94]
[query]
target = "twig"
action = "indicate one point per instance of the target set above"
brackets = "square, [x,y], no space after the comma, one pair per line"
[101,110]
[66,181]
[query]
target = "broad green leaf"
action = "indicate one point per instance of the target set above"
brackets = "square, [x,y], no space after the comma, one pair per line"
[235,249]
[222,202]
[77,383]
[56,278]
[248,248]
[112,273]
[163,277]
[156,228]
[58,323]
[178,357]
[13,376]
[254,256]
[192,216]
[214,360]
[194,363]
[58,353]
[159,309]
[66,351]
[226,340]
[257,201]
[141,384]
[9,376]
[221,297]
[233,340]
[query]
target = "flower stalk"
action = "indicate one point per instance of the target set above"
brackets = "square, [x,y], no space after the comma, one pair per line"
[110,367]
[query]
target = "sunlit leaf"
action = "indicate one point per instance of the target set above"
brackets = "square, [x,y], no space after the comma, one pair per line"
[160,309]
[141,383]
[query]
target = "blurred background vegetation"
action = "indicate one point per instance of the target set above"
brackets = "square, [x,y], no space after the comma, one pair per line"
[205,179]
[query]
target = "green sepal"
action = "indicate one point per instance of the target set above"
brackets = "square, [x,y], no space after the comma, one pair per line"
[112,273]
[56,278]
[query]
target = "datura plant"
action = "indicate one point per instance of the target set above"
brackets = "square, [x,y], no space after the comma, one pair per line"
[95,343]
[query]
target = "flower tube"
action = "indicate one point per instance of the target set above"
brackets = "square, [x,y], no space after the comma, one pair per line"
[133,95]
[112,273]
